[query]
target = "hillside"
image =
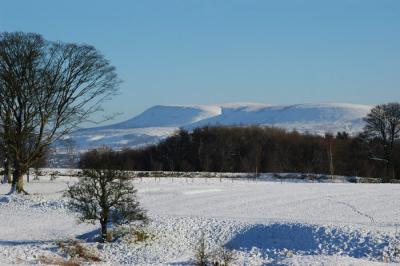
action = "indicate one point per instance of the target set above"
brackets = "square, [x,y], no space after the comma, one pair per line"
[159,122]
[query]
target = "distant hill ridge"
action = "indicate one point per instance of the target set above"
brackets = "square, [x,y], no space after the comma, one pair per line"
[161,121]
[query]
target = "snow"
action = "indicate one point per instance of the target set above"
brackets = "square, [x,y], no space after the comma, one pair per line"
[158,122]
[304,117]
[117,138]
[263,222]
[170,116]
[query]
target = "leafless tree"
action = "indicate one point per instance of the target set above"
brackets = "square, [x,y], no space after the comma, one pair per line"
[107,196]
[383,123]
[46,90]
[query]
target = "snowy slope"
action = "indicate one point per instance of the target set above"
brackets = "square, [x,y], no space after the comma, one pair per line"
[118,138]
[316,118]
[169,116]
[159,122]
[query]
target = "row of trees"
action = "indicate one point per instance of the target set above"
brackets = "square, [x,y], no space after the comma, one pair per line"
[46,90]
[373,153]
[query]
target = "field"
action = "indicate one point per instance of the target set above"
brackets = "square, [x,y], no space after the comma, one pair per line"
[263,222]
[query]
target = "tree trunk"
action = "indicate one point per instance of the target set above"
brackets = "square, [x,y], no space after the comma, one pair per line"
[390,171]
[386,176]
[20,184]
[9,174]
[14,180]
[388,158]
[103,231]
[17,184]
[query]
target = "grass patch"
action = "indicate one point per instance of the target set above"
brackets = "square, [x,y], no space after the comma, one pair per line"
[133,235]
[76,250]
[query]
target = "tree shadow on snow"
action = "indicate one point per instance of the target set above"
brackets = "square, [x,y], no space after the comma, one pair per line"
[24,242]
[275,240]
[91,236]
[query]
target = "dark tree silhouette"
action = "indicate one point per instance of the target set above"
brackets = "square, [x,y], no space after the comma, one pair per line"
[254,149]
[383,123]
[46,90]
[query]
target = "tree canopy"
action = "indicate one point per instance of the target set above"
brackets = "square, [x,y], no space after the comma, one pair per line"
[46,90]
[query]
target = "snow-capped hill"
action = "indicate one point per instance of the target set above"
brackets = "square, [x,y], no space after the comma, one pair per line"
[159,122]
[317,116]
[169,116]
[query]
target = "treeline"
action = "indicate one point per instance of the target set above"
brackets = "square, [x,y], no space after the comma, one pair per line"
[257,149]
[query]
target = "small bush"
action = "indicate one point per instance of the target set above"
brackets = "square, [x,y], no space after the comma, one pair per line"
[77,250]
[57,260]
[219,257]
[312,177]
[223,257]
[140,235]
[53,175]
[133,235]
[202,257]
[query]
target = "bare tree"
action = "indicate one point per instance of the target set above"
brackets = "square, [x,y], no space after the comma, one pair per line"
[46,90]
[383,123]
[106,196]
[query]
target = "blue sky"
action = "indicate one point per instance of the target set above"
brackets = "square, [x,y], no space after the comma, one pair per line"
[203,52]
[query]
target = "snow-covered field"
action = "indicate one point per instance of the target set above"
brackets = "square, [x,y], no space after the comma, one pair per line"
[265,223]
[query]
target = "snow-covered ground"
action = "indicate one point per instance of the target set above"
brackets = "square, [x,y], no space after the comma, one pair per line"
[264,223]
